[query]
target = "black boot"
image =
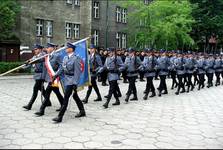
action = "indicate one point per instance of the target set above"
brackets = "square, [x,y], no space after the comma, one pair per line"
[146,96]
[135,98]
[106,103]
[117,102]
[106,96]
[58,119]
[165,92]
[153,94]
[85,101]
[59,109]
[127,98]
[80,114]
[188,89]
[39,113]
[160,93]
[98,99]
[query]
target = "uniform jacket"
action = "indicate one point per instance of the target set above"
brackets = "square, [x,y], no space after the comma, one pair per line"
[149,64]
[209,65]
[163,64]
[179,65]
[95,64]
[132,65]
[114,65]
[71,68]
[200,65]
[190,65]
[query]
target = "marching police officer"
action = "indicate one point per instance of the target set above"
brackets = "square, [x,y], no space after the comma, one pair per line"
[149,64]
[189,66]
[180,70]
[218,69]
[200,66]
[209,66]
[55,61]
[132,64]
[95,64]
[173,71]
[71,68]
[163,64]
[39,75]
[114,65]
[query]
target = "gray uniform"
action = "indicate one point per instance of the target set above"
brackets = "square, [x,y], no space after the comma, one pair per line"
[200,65]
[149,64]
[189,65]
[179,66]
[95,64]
[163,64]
[112,68]
[132,64]
[218,65]
[71,68]
[209,65]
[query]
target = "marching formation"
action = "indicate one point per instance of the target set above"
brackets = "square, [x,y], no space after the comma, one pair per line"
[186,70]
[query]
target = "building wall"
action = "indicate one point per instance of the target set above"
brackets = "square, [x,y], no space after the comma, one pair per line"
[60,12]
[57,11]
[113,26]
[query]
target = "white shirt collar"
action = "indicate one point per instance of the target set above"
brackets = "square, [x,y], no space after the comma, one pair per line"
[69,55]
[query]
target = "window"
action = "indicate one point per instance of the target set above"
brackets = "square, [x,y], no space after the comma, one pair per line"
[76,31]
[96,10]
[77,2]
[49,28]
[118,38]
[124,15]
[68,30]
[69,2]
[39,27]
[124,40]
[118,14]
[96,37]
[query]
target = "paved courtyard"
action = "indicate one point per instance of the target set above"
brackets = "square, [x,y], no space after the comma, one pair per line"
[190,120]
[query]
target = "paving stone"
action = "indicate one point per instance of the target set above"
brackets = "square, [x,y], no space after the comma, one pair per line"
[192,120]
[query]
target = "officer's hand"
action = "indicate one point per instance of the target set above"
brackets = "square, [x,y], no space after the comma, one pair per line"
[27,62]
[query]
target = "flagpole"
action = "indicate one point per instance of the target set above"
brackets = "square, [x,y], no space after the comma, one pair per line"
[32,61]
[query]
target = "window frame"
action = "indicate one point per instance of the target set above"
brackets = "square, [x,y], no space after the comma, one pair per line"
[74,31]
[96,8]
[47,28]
[68,29]
[39,26]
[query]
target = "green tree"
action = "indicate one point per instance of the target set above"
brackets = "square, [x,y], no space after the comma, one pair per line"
[161,24]
[8,12]
[209,20]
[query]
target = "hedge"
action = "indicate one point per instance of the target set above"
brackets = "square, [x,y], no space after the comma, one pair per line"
[5,66]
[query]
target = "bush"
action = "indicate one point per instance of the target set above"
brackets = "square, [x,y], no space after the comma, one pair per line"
[6,66]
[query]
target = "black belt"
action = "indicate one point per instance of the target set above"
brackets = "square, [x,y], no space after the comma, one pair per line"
[150,71]
[38,72]
[69,74]
[132,72]
[113,71]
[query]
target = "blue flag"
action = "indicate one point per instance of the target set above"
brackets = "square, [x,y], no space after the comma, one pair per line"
[82,52]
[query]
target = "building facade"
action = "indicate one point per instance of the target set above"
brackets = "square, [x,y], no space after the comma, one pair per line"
[59,21]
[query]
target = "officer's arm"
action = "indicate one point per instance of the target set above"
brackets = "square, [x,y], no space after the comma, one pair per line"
[121,64]
[77,71]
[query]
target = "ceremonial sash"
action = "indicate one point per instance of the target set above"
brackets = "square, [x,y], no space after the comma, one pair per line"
[51,72]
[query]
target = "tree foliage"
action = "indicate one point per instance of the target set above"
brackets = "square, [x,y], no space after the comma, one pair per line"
[209,20]
[8,12]
[161,24]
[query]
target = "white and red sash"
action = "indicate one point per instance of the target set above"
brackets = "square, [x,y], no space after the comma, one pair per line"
[51,72]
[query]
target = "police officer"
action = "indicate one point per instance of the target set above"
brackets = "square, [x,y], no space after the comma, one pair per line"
[173,71]
[218,69]
[163,64]
[209,66]
[55,61]
[189,66]
[114,65]
[149,64]
[200,66]
[132,64]
[180,70]
[71,68]
[39,75]
[95,65]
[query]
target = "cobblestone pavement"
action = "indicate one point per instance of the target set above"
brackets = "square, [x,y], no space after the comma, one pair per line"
[190,120]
